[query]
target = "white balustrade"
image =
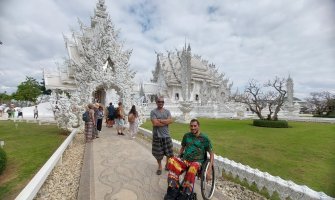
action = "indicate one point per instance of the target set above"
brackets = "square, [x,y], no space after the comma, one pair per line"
[30,191]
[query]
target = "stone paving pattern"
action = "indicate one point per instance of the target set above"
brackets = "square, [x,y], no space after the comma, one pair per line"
[125,169]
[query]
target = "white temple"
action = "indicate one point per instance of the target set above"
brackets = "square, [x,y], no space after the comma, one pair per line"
[191,86]
[182,76]
[97,69]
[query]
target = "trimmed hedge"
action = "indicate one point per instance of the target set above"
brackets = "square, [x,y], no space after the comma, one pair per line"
[270,123]
[3,160]
[325,116]
[328,115]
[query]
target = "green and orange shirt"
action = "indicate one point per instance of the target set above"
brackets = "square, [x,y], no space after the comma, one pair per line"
[195,148]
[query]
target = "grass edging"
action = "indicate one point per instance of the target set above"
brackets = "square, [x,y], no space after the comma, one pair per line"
[31,189]
[3,160]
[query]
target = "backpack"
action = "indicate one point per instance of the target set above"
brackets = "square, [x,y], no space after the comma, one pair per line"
[111,110]
[131,118]
[118,113]
[86,116]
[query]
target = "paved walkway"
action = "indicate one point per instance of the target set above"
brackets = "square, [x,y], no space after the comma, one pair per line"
[117,167]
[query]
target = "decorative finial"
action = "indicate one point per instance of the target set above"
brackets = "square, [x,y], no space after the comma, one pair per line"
[185,43]
[189,47]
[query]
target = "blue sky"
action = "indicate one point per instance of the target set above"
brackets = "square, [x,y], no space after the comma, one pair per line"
[244,39]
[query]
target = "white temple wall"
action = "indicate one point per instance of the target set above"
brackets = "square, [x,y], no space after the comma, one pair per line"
[173,90]
[196,91]
[176,90]
[150,88]
[171,93]
[210,111]
[213,110]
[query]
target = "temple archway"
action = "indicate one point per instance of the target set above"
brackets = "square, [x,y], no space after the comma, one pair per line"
[100,96]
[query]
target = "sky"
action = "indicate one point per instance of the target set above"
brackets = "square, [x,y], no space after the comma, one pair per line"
[255,39]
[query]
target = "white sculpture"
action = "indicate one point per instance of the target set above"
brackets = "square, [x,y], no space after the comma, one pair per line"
[97,63]
[66,110]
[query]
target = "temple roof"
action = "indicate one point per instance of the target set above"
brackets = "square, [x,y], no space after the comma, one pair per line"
[171,69]
[58,80]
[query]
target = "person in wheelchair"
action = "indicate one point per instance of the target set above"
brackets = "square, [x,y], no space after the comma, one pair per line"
[194,148]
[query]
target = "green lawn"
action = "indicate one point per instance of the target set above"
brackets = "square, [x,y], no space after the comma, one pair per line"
[28,147]
[303,153]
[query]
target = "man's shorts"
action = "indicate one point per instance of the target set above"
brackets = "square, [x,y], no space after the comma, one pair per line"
[162,147]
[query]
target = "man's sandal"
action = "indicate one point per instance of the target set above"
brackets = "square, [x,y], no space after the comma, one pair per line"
[159,172]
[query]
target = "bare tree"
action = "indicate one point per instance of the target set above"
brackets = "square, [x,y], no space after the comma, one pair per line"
[320,102]
[271,95]
[252,97]
[276,96]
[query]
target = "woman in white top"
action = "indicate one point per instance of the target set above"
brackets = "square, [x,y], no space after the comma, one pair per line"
[133,121]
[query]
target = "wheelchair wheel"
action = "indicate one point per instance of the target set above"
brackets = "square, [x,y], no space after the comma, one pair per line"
[207,187]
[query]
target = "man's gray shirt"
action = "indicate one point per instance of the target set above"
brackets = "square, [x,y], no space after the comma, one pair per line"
[160,131]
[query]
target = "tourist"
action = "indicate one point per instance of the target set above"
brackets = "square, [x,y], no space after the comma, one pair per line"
[111,115]
[95,129]
[8,113]
[35,112]
[194,147]
[133,121]
[161,140]
[56,108]
[11,111]
[1,110]
[119,121]
[19,113]
[90,124]
[100,117]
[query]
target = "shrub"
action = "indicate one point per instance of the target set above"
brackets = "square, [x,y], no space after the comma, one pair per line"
[3,160]
[331,115]
[270,123]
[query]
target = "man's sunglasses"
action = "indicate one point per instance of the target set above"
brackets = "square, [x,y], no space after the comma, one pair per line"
[160,101]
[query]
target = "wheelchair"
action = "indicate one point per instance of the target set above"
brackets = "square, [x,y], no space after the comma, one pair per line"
[207,187]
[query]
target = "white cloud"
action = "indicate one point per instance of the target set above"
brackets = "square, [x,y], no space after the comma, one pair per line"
[245,39]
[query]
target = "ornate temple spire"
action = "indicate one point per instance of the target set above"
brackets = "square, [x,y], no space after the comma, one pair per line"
[289,86]
[142,93]
[99,13]
[189,47]
[158,60]
[186,69]
[185,43]
[157,69]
